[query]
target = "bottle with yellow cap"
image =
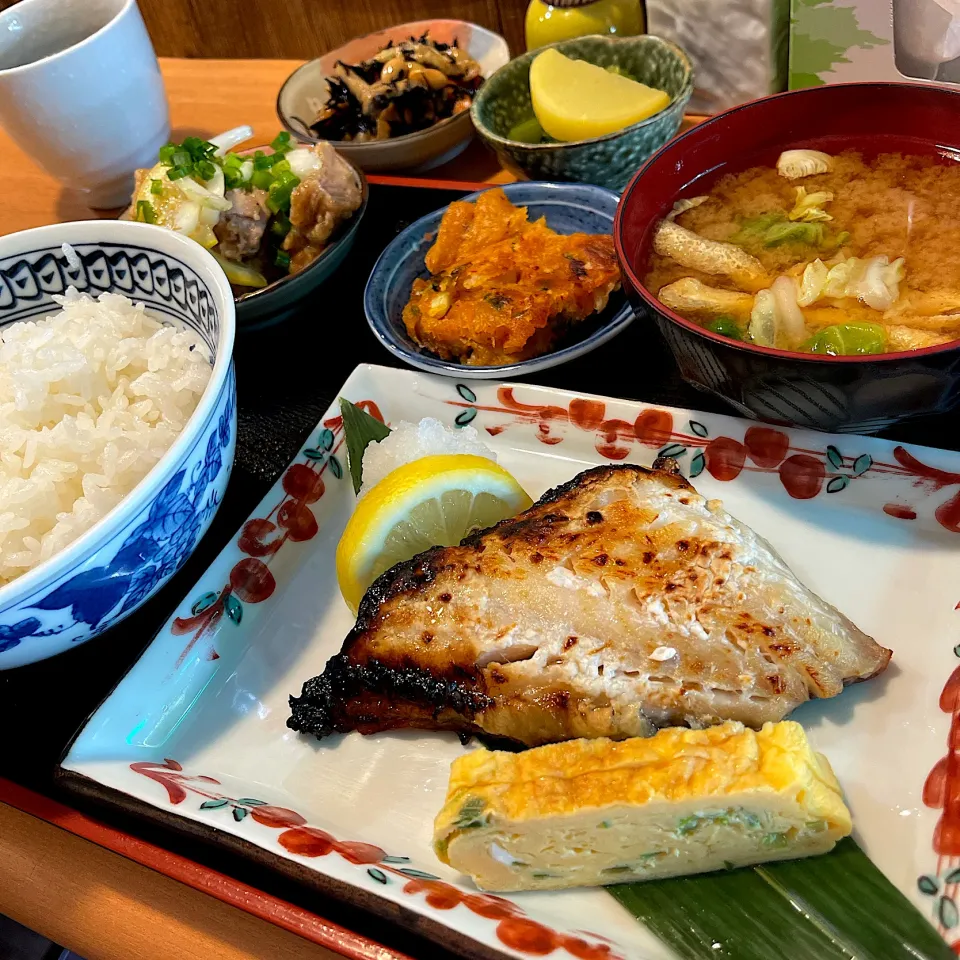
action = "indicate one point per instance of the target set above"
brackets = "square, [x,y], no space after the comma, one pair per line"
[550,22]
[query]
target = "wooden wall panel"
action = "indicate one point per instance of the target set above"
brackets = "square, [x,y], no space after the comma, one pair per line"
[302,29]
[299,29]
[512,15]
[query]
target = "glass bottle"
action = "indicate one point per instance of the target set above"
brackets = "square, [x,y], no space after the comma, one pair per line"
[566,19]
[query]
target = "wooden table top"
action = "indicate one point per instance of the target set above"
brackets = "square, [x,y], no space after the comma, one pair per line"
[206,97]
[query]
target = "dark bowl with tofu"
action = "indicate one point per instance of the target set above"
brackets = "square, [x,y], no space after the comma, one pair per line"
[264,306]
[842,393]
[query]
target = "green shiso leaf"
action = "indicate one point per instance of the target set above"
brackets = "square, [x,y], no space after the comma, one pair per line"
[838,906]
[360,429]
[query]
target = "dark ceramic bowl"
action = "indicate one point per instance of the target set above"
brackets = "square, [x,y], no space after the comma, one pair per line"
[847,394]
[276,301]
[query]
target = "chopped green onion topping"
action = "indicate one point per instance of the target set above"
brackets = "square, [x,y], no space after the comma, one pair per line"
[281,142]
[199,149]
[156,186]
[281,190]
[192,158]
[232,171]
[262,179]
[198,158]
[283,259]
[280,225]
[145,212]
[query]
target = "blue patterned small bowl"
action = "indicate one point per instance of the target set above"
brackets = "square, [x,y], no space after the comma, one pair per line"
[567,207]
[124,559]
[610,161]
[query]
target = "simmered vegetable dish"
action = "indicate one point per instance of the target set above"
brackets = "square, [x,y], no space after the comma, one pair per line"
[262,214]
[820,254]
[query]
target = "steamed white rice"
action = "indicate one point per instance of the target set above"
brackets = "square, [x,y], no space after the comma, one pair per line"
[90,399]
[411,441]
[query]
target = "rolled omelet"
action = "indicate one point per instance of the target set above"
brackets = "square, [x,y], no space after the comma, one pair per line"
[590,812]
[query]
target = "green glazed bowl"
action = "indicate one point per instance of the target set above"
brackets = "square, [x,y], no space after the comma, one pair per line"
[609,161]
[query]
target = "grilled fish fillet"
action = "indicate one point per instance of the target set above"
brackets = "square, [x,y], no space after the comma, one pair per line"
[621,602]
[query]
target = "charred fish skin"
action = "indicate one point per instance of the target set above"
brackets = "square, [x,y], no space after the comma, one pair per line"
[396,696]
[415,695]
[622,601]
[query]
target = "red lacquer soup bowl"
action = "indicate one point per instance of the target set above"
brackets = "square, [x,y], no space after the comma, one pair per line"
[855,394]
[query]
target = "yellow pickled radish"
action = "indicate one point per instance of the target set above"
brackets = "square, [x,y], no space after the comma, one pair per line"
[576,100]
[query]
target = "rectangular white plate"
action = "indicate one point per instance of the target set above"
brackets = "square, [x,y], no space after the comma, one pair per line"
[197,729]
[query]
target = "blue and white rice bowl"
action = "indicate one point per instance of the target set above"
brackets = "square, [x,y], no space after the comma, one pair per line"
[122,560]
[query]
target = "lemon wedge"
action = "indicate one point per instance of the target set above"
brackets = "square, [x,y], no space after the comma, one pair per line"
[576,100]
[433,501]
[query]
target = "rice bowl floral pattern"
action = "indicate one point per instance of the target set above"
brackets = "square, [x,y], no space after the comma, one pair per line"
[75,596]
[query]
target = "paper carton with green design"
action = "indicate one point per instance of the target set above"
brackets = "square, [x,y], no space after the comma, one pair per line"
[837,41]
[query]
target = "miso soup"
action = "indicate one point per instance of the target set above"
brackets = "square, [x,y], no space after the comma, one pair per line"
[823,254]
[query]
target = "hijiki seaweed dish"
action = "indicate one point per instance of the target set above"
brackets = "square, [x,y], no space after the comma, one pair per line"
[403,88]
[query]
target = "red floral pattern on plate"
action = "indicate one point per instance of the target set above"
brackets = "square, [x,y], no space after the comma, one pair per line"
[261,538]
[804,473]
[513,927]
[941,791]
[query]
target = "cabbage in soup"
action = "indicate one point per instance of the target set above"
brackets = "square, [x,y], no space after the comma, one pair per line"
[821,254]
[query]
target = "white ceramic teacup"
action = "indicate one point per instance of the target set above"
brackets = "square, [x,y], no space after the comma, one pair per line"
[81,92]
